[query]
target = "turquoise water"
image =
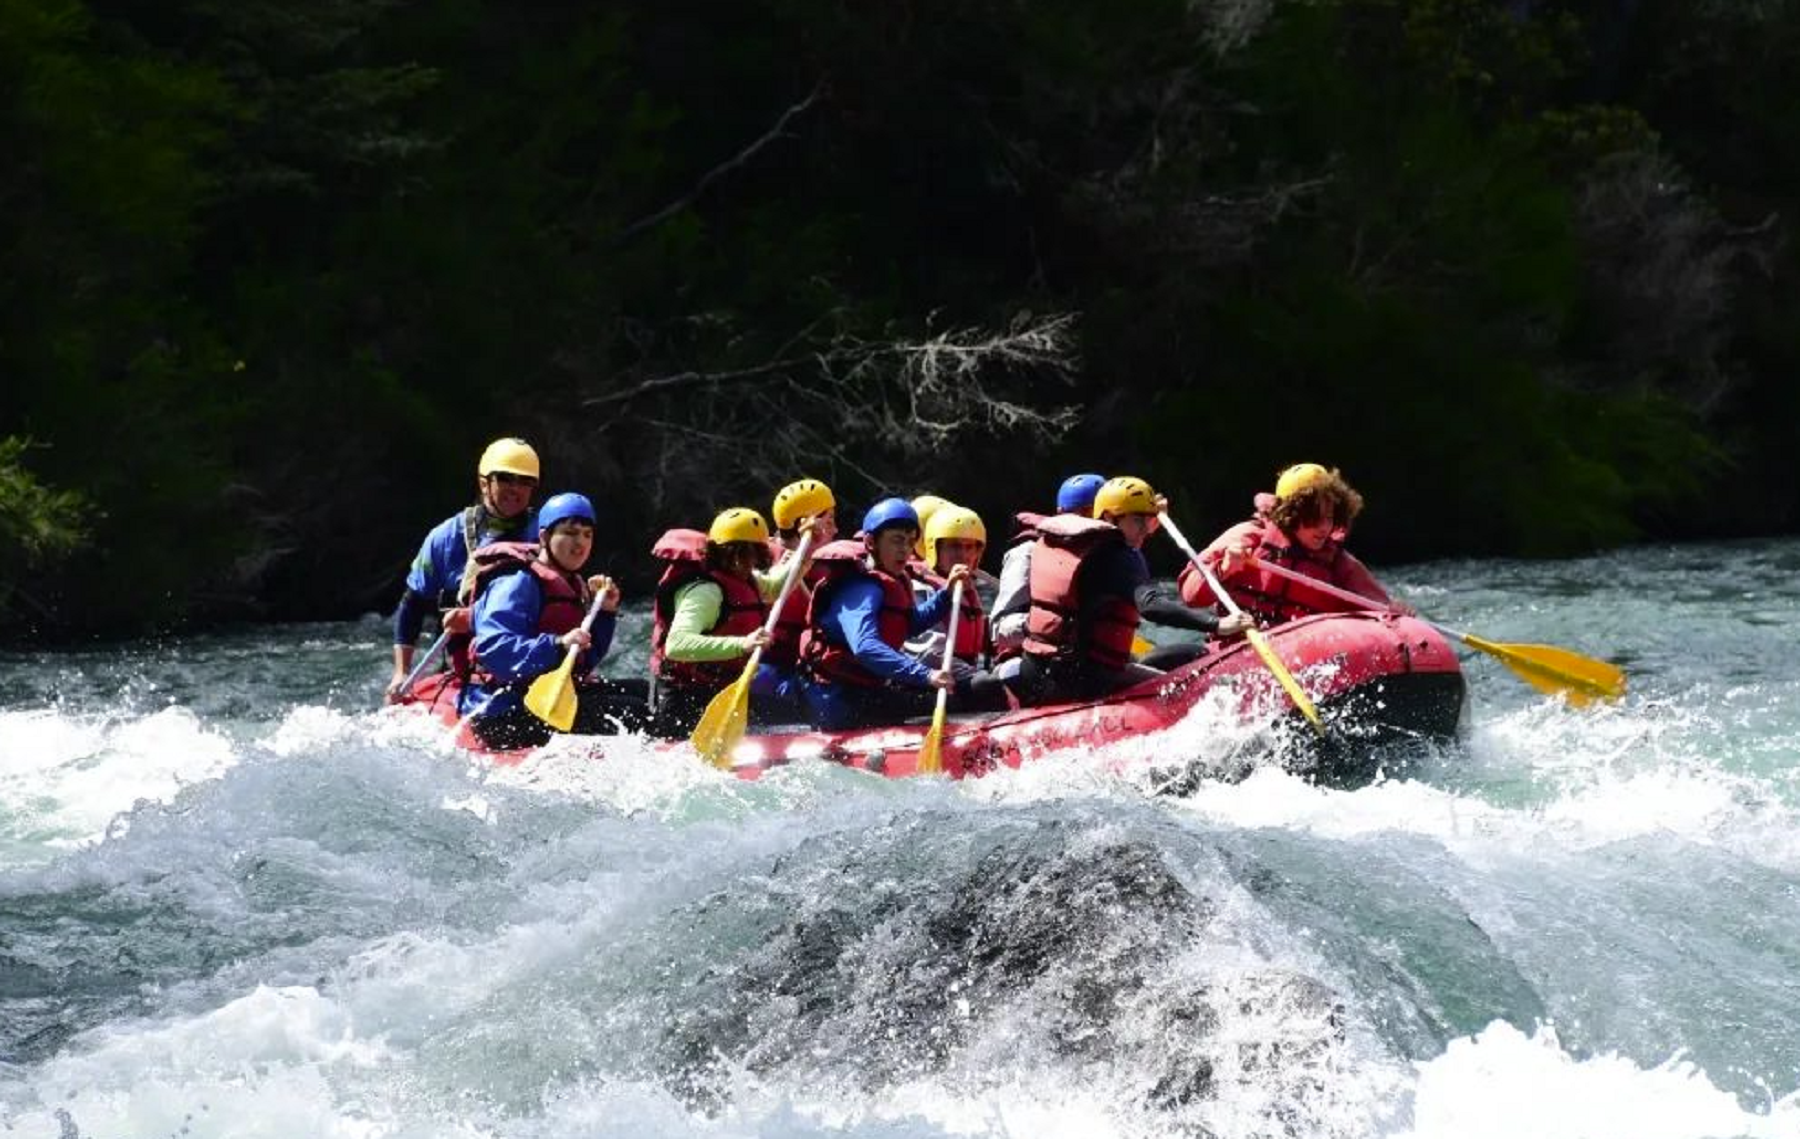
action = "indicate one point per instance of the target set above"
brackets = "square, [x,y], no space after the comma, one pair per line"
[236,899]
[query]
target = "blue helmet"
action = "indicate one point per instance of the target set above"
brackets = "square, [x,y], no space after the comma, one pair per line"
[562,507]
[1076,494]
[890,512]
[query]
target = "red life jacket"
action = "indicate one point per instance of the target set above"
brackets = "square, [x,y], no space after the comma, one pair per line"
[742,612]
[1028,524]
[566,595]
[971,628]
[784,642]
[1054,629]
[1270,599]
[822,650]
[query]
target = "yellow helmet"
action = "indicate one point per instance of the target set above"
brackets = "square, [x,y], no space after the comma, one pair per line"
[802,499]
[739,524]
[514,456]
[1298,477]
[1125,495]
[925,506]
[953,522]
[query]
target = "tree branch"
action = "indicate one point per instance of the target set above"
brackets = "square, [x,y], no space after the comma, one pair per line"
[778,131]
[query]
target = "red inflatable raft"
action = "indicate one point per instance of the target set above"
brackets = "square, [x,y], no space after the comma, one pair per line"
[1377,679]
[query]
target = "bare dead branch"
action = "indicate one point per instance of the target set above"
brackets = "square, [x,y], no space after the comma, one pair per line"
[662,384]
[736,161]
[848,402]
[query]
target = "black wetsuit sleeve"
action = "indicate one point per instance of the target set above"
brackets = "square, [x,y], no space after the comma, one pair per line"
[1157,604]
[409,617]
[1119,572]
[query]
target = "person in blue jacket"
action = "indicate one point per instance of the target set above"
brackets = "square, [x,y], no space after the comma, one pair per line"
[531,607]
[505,479]
[855,669]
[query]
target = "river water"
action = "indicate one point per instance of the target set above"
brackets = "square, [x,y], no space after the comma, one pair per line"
[236,900]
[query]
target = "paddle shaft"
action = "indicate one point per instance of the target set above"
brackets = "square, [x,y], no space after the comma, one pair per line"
[587,625]
[781,596]
[1231,606]
[1545,667]
[931,747]
[418,668]
[787,587]
[1252,634]
[950,645]
[1348,596]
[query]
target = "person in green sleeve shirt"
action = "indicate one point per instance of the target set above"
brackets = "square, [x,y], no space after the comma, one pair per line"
[709,615]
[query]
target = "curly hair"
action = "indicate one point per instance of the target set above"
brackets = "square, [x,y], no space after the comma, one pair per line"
[720,554]
[1325,499]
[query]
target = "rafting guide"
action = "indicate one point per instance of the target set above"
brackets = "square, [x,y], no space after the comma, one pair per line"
[506,476]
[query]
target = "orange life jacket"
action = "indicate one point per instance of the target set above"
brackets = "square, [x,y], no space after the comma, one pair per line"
[1054,629]
[822,647]
[742,612]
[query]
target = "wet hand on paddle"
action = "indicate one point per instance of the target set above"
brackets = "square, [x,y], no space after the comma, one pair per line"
[1235,625]
[607,590]
[960,575]
[606,600]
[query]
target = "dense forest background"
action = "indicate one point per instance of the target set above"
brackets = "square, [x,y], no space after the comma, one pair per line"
[275,270]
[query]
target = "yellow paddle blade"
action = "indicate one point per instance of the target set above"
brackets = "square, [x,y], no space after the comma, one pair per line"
[551,697]
[1580,680]
[931,758]
[1294,691]
[722,725]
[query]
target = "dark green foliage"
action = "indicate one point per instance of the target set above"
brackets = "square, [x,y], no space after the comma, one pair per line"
[40,526]
[277,270]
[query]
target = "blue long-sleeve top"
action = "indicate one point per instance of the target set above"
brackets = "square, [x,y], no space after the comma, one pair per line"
[510,648]
[436,571]
[851,614]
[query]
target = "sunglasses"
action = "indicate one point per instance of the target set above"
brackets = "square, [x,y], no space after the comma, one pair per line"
[507,478]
